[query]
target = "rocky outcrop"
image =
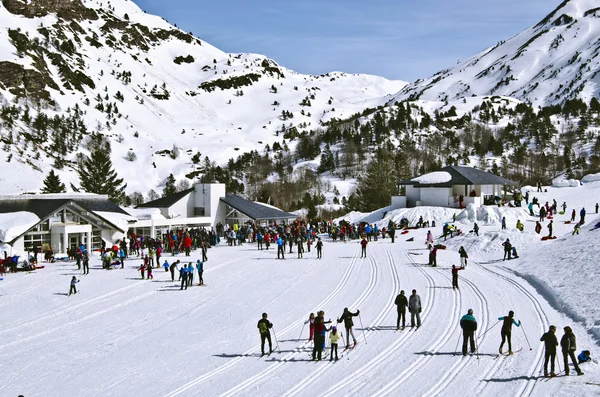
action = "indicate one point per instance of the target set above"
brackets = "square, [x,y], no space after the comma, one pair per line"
[24,82]
[65,9]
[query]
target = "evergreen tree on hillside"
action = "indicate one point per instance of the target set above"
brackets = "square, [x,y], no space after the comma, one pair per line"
[52,184]
[97,175]
[377,187]
[170,187]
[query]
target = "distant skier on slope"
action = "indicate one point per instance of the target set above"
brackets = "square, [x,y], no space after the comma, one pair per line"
[73,289]
[463,256]
[346,317]
[455,271]
[319,246]
[469,326]
[363,251]
[506,330]
[263,327]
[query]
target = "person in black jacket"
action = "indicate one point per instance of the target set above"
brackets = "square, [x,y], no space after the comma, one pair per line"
[263,327]
[550,342]
[401,303]
[569,344]
[469,326]
[348,323]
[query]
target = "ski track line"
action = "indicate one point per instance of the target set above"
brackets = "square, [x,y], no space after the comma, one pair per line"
[203,378]
[451,374]
[375,362]
[410,370]
[302,385]
[529,384]
[258,377]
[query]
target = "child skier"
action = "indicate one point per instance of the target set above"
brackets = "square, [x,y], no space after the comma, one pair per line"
[142,269]
[73,290]
[311,327]
[334,337]
[584,356]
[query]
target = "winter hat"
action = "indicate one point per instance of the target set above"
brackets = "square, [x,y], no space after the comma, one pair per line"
[568,329]
[511,313]
[470,311]
[334,328]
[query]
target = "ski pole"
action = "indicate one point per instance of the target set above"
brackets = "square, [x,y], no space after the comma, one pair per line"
[557,362]
[530,348]
[277,343]
[363,328]
[300,337]
[457,342]
[489,329]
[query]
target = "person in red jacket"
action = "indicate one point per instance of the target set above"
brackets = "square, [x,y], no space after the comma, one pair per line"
[187,245]
[455,276]
[319,336]
[158,254]
[363,244]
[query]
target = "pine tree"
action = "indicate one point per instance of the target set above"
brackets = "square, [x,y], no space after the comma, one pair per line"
[97,175]
[379,184]
[52,184]
[170,187]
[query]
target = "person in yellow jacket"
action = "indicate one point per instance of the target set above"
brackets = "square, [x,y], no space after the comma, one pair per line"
[520,225]
[334,337]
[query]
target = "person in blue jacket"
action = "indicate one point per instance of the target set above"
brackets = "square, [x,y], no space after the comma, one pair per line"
[280,248]
[166,265]
[122,257]
[200,269]
[506,330]
[375,232]
[368,231]
[183,274]
[469,326]
[584,356]
[259,239]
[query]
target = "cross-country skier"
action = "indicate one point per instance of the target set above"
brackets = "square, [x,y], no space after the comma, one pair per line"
[263,327]
[455,271]
[74,282]
[311,326]
[183,275]
[190,274]
[280,248]
[414,307]
[569,344]
[334,337]
[463,256]
[319,246]
[204,248]
[200,269]
[469,326]
[319,337]
[550,343]
[506,330]
[476,229]
[401,304]
[363,244]
[348,324]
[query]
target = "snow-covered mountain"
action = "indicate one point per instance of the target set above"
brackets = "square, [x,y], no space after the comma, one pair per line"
[557,59]
[160,94]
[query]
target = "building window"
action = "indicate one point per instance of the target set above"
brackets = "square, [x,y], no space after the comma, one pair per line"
[36,240]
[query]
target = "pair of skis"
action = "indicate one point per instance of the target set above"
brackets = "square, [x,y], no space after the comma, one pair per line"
[506,355]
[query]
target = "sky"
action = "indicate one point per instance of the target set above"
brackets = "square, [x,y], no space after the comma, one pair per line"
[396,39]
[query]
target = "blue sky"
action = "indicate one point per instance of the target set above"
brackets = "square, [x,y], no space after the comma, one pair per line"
[397,39]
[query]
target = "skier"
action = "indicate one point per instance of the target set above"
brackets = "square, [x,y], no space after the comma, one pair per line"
[414,307]
[363,244]
[582,215]
[311,326]
[550,342]
[455,276]
[550,226]
[401,303]
[280,248]
[86,263]
[200,269]
[74,282]
[507,249]
[507,329]
[259,239]
[469,326]
[392,230]
[319,246]
[334,337]
[204,247]
[576,229]
[348,323]
[597,207]
[569,344]
[263,327]
[463,256]
[187,245]
[542,213]
[183,276]
[149,271]
[190,274]
[121,254]
[319,337]
[172,269]
[564,206]
[584,357]
[432,256]
[476,229]
[142,269]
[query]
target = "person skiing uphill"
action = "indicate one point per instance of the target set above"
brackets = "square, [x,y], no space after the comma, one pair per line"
[550,343]
[469,326]
[263,327]
[455,276]
[506,330]
[346,317]
[401,304]
[414,307]
[569,344]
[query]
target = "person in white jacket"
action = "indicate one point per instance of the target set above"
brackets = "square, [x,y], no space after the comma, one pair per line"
[414,307]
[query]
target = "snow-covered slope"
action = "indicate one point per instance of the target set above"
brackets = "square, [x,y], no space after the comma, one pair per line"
[557,59]
[150,86]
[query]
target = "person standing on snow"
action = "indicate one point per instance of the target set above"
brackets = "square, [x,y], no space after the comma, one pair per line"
[476,229]
[263,327]
[550,226]
[550,342]
[507,249]
[401,303]
[432,256]
[506,330]
[74,282]
[455,276]
[280,248]
[259,240]
[573,215]
[564,207]
[569,344]
[311,326]
[300,247]
[319,336]
[429,239]
[363,251]
[86,263]
[503,223]
[200,269]
[597,207]
[334,337]
[348,323]
[538,227]
[172,268]
[204,246]
[582,215]
[190,274]
[463,256]
[414,307]
[469,326]
[319,246]
[183,275]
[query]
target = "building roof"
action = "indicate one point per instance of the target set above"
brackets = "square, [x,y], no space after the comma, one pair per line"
[254,210]
[462,176]
[167,201]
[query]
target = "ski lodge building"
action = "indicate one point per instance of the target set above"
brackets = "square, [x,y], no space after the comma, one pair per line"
[61,221]
[453,187]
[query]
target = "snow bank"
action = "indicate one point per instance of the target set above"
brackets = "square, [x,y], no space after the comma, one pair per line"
[352,217]
[438,214]
[561,181]
[591,178]
[433,178]
[14,224]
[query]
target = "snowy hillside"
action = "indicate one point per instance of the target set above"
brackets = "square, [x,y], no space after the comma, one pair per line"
[161,94]
[557,59]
